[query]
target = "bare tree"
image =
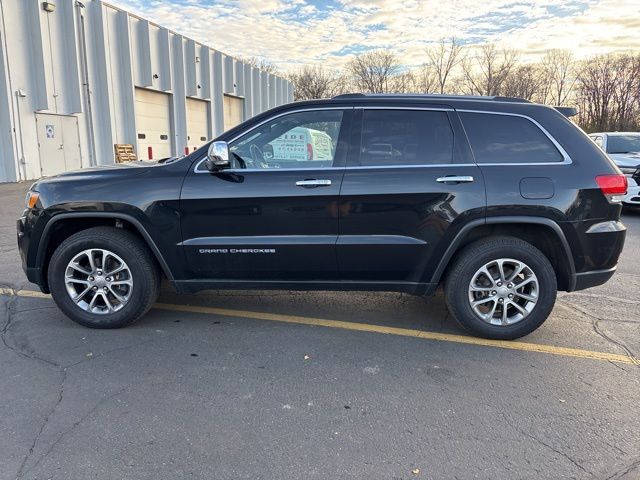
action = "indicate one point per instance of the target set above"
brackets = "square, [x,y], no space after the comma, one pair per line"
[404,82]
[263,64]
[486,71]
[425,80]
[373,72]
[596,87]
[558,74]
[524,81]
[443,58]
[626,94]
[313,82]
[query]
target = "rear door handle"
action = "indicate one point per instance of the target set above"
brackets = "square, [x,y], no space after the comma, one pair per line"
[313,183]
[455,179]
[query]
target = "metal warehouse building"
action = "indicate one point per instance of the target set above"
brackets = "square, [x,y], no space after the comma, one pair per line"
[78,78]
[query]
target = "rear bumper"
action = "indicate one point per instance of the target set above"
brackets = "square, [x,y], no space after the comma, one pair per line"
[593,279]
[598,248]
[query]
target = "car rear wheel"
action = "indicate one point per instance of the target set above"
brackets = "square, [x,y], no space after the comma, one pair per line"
[103,277]
[501,288]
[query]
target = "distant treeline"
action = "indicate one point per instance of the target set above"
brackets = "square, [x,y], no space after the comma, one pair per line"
[604,88]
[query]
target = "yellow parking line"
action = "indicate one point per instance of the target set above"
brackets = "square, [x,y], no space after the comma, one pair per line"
[404,332]
[364,327]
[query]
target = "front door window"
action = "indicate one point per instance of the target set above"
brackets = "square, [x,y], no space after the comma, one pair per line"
[298,140]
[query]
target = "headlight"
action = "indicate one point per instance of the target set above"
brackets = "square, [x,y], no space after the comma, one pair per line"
[32,199]
[628,170]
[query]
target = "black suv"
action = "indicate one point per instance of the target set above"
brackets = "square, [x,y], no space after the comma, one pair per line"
[500,200]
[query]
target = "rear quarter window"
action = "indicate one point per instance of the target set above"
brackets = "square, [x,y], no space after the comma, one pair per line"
[498,138]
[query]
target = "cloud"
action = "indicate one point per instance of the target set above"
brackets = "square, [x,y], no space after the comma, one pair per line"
[290,33]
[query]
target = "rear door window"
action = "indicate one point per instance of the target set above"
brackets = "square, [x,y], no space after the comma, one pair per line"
[405,137]
[498,138]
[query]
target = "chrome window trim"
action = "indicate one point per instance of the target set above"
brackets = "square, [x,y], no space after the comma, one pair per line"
[566,158]
[329,169]
[431,165]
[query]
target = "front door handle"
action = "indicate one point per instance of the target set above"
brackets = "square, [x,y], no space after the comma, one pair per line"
[313,183]
[455,179]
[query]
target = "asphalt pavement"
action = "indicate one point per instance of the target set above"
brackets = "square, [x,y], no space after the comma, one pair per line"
[296,385]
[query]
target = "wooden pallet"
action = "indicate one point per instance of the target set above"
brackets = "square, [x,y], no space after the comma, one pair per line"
[124,152]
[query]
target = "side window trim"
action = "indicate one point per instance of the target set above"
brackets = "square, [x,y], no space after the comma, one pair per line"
[566,159]
[348,123]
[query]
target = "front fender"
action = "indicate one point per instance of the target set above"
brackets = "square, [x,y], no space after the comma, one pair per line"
[45,237]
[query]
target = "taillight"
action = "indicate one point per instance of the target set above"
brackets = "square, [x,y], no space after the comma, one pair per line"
[309,151]
[614,187]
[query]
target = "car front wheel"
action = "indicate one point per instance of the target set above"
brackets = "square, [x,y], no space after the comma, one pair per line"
[103,277]
[501,288]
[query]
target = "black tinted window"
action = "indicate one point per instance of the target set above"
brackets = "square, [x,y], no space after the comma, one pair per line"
[405,137]
[507,139]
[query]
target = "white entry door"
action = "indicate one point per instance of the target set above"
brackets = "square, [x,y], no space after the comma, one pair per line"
[58,143]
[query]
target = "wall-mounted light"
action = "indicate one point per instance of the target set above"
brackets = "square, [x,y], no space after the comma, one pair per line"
[197,59]
[156,76]
[21,93]
[199,87]
[48,6]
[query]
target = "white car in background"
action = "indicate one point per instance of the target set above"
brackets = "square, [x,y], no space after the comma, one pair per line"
[624,149]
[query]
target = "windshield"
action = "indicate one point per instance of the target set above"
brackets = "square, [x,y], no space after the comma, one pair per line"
[623,143]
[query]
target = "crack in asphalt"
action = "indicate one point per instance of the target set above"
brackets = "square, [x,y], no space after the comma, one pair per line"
[550,447]
[75,424]
[21,470]
[620,474]
[9,304]
[601,296]
[595,323]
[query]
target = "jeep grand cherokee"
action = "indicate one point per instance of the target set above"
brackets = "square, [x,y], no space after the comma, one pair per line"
[502,201]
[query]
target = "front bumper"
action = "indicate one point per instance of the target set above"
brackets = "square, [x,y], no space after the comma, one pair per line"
[23,231]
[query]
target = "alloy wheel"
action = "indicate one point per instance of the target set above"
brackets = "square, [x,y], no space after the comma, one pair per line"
[98,281]
[503,292]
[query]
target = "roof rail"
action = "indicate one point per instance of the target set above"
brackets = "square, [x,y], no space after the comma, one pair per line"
[567,111]
[350,95]
[432,96]
[500,98]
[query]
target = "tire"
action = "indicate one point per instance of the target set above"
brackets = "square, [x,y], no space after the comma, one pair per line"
[117,304]
[538,291]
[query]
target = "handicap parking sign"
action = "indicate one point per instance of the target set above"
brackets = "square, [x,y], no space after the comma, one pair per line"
[49,131]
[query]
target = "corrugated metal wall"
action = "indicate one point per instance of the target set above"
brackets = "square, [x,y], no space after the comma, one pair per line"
[86,59]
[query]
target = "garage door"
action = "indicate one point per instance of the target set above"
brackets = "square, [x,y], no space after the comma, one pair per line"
[197,123]
[153,124]
[233,111]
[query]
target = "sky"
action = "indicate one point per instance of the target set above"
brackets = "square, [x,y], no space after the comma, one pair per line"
[293,33]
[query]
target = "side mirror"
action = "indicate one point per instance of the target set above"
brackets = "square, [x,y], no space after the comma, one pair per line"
[217,157]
